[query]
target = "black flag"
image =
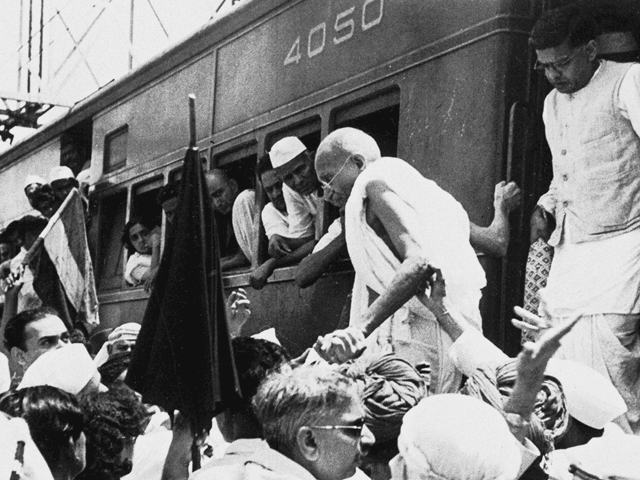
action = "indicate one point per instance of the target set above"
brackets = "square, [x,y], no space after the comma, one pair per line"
[183,358]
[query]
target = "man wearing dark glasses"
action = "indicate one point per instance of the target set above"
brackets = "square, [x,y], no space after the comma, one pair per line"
[592,125]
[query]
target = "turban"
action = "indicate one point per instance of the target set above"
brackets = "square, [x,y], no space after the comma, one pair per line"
[391,388]
[456,437]
[551,404]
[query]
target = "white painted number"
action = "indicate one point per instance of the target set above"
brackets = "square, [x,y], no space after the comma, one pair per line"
[311,50]
[294,55]
[344,28]
[349,24]
[366,25]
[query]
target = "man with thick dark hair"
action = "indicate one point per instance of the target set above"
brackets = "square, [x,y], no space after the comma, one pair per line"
[56,424]
[114,420]
[592,125]
[32,333]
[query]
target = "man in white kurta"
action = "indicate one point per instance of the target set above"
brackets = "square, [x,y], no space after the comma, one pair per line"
[397,224]
[592,125]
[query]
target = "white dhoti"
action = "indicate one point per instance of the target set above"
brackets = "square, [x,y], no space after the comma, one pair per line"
[441,228]
[600,281]
[610,344]
[246,224]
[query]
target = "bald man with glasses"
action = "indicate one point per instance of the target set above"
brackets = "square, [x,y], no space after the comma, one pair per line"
[591,213]
[397,224]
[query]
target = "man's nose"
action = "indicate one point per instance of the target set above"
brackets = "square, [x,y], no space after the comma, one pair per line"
[367,438]
[553,74]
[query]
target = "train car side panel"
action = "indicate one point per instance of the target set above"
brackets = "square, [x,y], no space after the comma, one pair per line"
[157,117]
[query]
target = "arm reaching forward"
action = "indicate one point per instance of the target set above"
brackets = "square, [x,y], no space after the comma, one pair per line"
[392,220]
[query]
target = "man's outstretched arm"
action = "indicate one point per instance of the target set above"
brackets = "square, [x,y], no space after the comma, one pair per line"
[494,239]
[395,218]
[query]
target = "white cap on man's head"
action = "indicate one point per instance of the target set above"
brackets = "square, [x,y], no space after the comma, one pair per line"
[69,368]
[31,179]
[591,397]
[60,173]
[285,150]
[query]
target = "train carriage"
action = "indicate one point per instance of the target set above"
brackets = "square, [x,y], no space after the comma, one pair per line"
[447,85]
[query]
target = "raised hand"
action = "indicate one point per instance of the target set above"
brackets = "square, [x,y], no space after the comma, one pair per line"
[238,311]
[341,345]
[506,197]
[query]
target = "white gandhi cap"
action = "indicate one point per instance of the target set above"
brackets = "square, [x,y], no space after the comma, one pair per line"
[31,179]
[591,397]
[285,150]
[69,368]
[60,173]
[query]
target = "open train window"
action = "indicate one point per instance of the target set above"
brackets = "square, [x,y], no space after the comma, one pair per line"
[308,132]
[175,175]
[115,149]
[144,200]
[378,116]
[112,217]
[239,164]
[75,146]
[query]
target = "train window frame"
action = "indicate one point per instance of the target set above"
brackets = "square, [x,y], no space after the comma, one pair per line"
[239,162]
[105,284]
[109,140]
[301,129]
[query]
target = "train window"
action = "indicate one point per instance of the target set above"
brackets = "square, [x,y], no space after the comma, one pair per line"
[75,146]
[308,132]
[144,200]
[378,116]
[112,217]
[175,175]
[115,149]
[240,164]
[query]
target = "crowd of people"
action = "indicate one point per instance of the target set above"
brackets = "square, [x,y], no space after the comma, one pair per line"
[409,388]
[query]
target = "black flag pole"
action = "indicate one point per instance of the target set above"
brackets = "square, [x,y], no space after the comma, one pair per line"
[195,449]
[192,120]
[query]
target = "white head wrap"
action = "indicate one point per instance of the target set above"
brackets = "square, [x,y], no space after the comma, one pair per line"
[285,150]
[455,437]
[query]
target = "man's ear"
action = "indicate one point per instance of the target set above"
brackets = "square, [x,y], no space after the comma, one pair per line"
[359,161]
[307,444]
[234,185]
[592,50]
[19,356]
